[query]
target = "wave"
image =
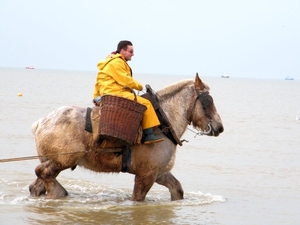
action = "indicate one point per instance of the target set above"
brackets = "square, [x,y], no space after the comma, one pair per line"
[92,196]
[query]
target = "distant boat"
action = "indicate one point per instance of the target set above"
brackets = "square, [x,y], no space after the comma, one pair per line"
[225,76]
[29,67]
[289,78]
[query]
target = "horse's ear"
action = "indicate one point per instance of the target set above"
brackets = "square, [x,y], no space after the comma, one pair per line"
[198,82]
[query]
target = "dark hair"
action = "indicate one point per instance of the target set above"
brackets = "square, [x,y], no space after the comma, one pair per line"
[123,45]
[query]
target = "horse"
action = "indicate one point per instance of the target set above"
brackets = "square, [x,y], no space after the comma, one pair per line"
[62,143]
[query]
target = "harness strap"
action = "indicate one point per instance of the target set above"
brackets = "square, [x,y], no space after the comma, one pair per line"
[88,121]
[203,98]
[126,159]
[165,125]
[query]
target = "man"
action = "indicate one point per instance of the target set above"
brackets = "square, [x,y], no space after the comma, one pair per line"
[114,74]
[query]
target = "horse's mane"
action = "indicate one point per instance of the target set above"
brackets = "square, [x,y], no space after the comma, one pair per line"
[174,88]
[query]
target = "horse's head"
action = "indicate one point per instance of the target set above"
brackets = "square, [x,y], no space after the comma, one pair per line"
[203,113]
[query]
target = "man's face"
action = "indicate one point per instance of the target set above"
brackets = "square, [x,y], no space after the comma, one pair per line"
[128,53]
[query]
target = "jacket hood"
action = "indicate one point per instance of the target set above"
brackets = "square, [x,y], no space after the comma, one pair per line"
[103,63]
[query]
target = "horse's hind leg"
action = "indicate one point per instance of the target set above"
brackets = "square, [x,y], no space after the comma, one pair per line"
[37,188]
[47,172]
[174,186]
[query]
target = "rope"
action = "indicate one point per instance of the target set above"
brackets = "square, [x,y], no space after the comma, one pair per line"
[18,159]
[35,157]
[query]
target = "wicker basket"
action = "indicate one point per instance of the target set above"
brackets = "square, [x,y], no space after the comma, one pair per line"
[120,119]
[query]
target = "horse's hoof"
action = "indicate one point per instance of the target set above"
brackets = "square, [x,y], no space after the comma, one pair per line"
[57,194]
[36,192]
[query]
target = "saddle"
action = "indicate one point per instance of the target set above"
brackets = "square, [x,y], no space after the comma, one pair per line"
[93,120]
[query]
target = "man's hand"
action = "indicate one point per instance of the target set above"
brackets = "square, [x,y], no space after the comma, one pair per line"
[97,100]
[140,87]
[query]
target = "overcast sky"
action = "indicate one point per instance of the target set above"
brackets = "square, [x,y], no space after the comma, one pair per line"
[239,38]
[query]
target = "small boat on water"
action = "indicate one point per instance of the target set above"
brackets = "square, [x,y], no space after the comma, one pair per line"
[225,76]
[29,67]
[289,78]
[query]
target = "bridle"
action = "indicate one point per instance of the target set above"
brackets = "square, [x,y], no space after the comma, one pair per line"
[205,100]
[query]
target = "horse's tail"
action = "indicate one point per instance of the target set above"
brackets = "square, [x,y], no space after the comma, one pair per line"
[34,126]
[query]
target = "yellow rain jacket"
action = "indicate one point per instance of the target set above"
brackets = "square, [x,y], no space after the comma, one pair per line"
[114,73]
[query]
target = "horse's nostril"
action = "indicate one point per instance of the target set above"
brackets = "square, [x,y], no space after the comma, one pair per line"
[221,129]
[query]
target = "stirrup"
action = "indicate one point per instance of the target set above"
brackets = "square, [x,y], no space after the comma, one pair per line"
[148,142]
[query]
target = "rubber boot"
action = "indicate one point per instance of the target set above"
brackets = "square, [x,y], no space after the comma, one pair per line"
[149,137]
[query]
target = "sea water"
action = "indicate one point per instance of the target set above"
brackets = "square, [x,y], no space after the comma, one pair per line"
[247,175]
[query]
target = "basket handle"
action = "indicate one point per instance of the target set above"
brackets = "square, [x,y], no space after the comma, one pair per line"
[132,91]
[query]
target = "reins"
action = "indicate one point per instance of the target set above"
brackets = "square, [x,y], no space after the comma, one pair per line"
[197,133]
[202,97]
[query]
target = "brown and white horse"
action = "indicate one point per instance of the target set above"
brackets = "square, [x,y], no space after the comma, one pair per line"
[62,143]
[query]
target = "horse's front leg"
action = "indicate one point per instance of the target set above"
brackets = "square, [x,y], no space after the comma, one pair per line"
[142,185]
[174,186]
[47,172]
